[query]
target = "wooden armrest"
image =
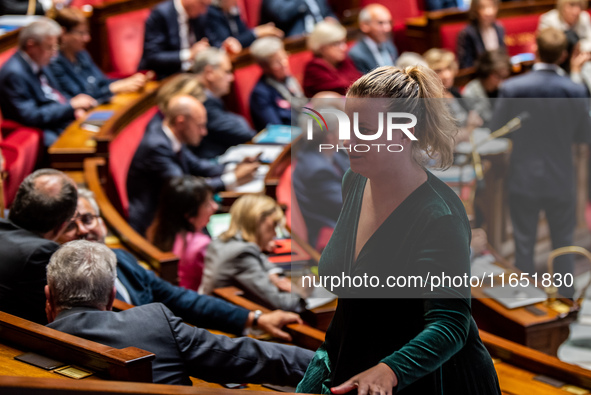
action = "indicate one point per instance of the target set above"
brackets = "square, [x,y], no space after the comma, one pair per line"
[302,335]
[128,364]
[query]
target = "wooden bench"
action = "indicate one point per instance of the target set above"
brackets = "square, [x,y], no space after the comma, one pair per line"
[128,364]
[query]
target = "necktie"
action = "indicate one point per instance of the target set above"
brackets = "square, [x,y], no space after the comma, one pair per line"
[48,90]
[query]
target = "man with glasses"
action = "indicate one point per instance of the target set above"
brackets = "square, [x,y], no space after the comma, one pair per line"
[138,286]
[44,205]
[29,93]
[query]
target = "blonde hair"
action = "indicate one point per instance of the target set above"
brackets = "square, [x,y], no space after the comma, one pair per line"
[438,59]
[325,33]
[436,127]
[262,49]
[182,84]
[247,213]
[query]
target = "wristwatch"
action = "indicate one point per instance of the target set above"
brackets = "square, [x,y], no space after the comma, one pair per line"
[255,320]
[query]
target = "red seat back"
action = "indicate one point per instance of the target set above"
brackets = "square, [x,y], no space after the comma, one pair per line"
[245,79]
[286,196]
[4,56]
[250,11]
[297,64]
[126,41]
[121,151]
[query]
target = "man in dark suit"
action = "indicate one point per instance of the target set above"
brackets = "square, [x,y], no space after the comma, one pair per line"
[138,286]
[44,204]
[225,128]
[80,291]
[541,174]
[163,154]
[295,17]
[375,48]
[29,94]
[277,91]
[175,35]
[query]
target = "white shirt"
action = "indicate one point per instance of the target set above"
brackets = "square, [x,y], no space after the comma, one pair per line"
[548,66]
[183,20]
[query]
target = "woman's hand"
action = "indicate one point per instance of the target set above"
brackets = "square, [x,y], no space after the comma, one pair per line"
[378,380]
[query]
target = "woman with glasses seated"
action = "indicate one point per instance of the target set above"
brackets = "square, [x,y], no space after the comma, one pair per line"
[330,69]
[74,68]
[237,257]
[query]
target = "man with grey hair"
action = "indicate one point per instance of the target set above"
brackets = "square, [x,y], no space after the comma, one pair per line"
[80,292]
[277,91]
[29,93]
[214,69]
[44,205]
[375,48]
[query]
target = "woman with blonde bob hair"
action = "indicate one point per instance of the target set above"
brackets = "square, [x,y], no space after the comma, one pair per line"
[330,69]
[237,257]
[399,223]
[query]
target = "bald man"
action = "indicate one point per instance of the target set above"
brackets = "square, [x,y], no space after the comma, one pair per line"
[163,154]
[45,204]
[375,48]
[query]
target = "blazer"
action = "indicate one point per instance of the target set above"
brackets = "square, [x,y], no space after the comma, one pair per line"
[82,77]
[541,164]
[23,100]
[320,76]
[145,287]
[289,15]
[162,41]
[434,5]
[242,264]
[153,164]
[268,107]
[317,184]
[364,59]
[470,44]
[217,27]
[224,130]
[182,350]
[25,256]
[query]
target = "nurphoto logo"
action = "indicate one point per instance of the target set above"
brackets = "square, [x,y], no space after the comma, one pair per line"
[392,123]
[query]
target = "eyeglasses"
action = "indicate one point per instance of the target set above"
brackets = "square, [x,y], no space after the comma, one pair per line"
[88,220]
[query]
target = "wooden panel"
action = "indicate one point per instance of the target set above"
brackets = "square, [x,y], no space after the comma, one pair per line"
[129,364]
[164,263]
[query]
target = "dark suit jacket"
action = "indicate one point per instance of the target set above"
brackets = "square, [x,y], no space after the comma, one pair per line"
[289,15]
[182,350]
[83,77]
[19,7]
[470,44]
[153,164]
[145,287]
[317,185]
[22,271]
[363,58]
[23,100]
[224,130]
[267,106]
[217,28]
[434,5]
[162,42]
[541,160]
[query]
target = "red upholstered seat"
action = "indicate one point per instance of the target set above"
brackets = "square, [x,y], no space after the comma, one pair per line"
[293,216]
[244,81]
[121,151]
[297,63]
[250,11]
[4,56]
[126,41]
[520,33]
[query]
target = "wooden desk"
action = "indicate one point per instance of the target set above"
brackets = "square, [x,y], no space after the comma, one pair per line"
[544,333]
[75,143]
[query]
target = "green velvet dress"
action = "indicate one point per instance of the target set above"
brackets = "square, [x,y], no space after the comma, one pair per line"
[428,338]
